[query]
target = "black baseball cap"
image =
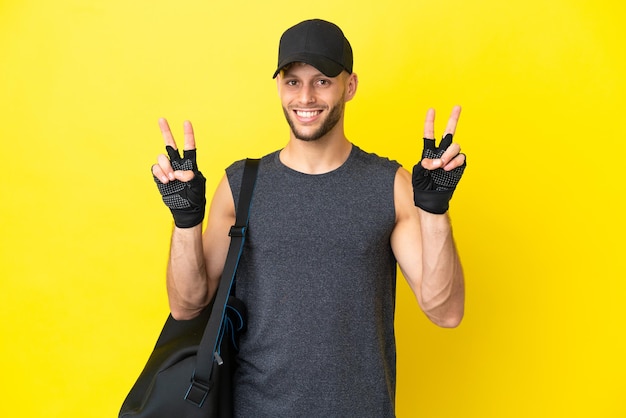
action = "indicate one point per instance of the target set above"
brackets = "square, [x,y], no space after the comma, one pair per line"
[318,43]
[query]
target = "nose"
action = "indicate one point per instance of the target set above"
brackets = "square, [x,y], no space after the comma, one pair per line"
[307,95]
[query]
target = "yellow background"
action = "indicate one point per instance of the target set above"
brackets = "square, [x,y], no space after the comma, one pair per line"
[538,216]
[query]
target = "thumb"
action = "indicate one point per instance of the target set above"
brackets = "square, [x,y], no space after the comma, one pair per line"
[184,175]
[431,164]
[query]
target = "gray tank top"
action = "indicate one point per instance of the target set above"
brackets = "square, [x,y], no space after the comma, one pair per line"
[318,277]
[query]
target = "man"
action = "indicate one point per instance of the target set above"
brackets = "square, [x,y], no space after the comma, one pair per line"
[327,226]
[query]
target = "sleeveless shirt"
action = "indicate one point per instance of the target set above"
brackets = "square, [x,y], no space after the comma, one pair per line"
[318,277]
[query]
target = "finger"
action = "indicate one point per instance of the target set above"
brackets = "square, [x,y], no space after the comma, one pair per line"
[445,142]
[158,173]
[165,168]
[453,121]
[429,124]
[453,150]
[457,161]
[190,141]
[190,155]
[172,153]
[166,132]
[429,144]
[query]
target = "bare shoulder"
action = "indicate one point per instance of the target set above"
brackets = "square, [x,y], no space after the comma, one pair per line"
[222,201]
[221,211]
[403,195]
[215,238]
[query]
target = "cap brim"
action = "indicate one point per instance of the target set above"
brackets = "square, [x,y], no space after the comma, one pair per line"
[327,66]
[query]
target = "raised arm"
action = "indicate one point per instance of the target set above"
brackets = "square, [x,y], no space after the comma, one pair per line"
[194,267]
[422,240]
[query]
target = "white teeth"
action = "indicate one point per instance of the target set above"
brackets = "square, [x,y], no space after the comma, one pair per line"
[309,114]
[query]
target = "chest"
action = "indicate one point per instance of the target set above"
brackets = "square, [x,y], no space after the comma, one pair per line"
[327,213]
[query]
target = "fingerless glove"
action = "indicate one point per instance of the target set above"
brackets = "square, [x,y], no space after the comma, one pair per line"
[433,189]
[186,200]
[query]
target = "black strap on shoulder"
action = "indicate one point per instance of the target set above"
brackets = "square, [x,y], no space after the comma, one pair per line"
[208,346]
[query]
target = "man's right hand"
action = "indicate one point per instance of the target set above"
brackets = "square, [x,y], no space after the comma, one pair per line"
[181,184]
[436,176]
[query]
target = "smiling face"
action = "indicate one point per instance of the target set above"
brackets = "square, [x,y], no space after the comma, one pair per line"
[312,102]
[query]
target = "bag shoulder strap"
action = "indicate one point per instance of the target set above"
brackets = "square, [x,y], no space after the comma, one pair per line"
[208,349]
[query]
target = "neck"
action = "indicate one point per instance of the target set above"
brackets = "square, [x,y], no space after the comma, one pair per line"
[316,157]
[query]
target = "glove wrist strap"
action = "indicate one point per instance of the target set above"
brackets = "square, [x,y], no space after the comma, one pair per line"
[432,201]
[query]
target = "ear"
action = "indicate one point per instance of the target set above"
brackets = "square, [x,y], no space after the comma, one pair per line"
[351,85]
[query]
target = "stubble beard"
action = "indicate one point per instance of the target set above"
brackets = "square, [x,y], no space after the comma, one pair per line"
[334,115]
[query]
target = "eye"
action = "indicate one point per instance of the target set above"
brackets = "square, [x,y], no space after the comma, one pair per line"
[291,82]
[323,82]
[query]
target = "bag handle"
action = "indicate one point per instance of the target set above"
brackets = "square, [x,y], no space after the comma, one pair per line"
[207,351]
